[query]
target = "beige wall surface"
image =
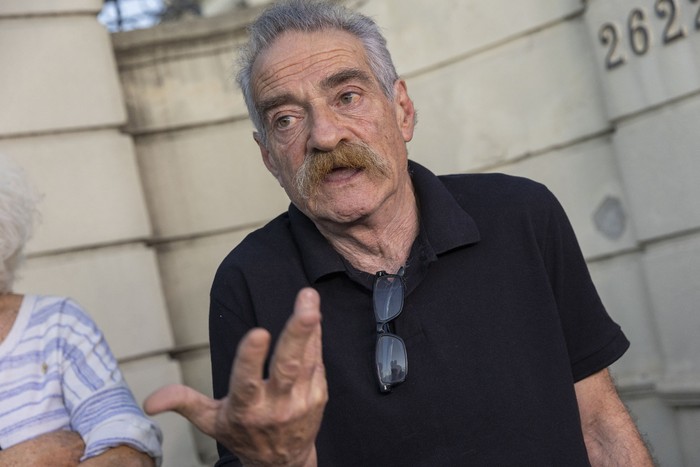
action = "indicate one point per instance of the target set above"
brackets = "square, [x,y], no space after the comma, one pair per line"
[142,148]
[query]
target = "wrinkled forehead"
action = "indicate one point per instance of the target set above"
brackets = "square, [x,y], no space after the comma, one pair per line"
[306,56]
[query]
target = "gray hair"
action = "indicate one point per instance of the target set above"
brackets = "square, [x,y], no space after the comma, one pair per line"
[17,214]
[310,16]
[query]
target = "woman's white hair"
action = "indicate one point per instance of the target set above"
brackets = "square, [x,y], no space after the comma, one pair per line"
[17,214]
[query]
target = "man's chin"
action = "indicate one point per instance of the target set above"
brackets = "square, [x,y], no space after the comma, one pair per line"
[340,206]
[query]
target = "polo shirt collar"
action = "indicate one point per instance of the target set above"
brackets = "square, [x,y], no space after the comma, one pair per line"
[444,224]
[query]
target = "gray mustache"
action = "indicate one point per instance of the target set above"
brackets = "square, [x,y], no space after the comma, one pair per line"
[318,164]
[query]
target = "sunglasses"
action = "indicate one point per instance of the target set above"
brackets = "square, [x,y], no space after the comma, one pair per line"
[391,361]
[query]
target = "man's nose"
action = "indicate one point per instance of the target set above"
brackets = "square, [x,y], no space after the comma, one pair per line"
[326,131]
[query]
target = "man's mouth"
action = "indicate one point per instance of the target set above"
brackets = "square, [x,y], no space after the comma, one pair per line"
[336,167]
[339,174]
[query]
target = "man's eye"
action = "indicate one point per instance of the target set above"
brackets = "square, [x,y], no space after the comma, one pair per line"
[284,122]
[349,97]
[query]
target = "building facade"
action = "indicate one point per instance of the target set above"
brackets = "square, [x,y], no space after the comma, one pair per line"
[141,145]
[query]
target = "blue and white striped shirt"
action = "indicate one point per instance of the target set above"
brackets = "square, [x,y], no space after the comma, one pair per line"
[58,373]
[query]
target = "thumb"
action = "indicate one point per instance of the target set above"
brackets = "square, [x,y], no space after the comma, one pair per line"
[199,409]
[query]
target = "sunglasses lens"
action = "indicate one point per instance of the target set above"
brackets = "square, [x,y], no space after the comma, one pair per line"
[391,359]
[388,297]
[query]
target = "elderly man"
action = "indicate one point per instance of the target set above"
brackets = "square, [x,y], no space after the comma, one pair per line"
[460,325]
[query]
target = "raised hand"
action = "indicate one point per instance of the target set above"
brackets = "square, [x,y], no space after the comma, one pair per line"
[264,422]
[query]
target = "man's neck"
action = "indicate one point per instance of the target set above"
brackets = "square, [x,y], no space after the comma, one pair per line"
[380,243]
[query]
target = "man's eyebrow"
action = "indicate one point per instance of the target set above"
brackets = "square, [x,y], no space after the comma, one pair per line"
[336,79]
[344,76]
[270,103]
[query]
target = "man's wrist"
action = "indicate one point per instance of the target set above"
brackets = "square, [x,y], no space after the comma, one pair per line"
[307,460]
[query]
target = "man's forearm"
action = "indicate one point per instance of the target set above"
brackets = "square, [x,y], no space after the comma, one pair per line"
[623,449]
[610,434]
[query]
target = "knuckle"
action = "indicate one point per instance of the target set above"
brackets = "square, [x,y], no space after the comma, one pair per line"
[245,393]
[287,371]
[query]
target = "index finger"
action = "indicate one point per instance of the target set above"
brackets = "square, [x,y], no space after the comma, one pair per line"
[246,381]
[290,357]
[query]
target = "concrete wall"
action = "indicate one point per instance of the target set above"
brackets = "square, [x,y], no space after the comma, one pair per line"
[151,156]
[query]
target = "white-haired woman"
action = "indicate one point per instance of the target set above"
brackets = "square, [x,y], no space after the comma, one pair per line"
[63,400]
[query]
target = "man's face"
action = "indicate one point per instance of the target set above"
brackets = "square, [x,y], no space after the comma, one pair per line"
[335,142]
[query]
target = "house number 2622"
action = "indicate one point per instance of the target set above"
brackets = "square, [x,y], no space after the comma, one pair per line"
[638,38]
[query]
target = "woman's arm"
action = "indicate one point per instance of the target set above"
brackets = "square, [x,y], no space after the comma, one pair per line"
[57,448]
[121,456]
[64,449]
[101,406]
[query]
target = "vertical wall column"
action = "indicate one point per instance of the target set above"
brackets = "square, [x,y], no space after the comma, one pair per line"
[204,182]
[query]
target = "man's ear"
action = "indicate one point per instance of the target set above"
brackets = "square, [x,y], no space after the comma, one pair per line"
[268,160]
[405,112]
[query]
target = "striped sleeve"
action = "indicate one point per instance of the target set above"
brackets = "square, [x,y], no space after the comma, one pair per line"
[101,406]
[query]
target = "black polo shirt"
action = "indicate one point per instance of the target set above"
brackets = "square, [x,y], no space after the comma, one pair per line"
[500,319]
